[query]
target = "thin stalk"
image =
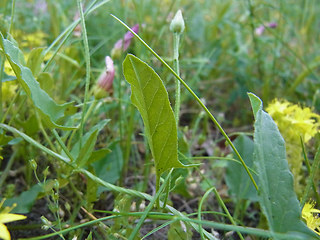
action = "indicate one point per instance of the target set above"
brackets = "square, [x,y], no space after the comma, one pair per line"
[128,144]
[10,105]
[35,143]
[45,133]
[148,209]
[176,40]
[68,31]
[195,97]
[62,145]
[306,160]
[22,104]
[71,228]
[314,168]
[167,190]
[120,108]
[257,51]
[12,16]
[199,210]
[5,173]
[87,60]
[90,109]
[1,77]
[221,203]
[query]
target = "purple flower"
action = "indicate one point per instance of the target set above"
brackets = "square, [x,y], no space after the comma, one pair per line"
[272,25]
[40,7]
[124,43]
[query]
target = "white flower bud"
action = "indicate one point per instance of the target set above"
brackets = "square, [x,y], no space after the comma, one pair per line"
[177,23]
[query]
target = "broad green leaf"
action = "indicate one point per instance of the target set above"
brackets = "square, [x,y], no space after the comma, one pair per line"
[50,111]
[151,98]
[277,198]
[237,178]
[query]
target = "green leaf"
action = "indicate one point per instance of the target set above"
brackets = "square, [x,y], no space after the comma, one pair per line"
[4,139]
[277,198]
[88,141]
[97,155]
[256,103]
[151,98]
[50,111]
[109,168]
[179,230]
[7,77]
[46,82]
[237,178]
[25,200]
[35,59]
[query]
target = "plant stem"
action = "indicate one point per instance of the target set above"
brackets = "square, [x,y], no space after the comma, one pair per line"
[314,168]
[7,169]
[258,53]
[196,98]
[10,105]
[128,144]
[87,60]
[1,77]
[176,40]
[12,16]
[63,146]
[221,203]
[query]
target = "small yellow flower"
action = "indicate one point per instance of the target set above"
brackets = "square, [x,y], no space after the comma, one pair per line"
[6,217]
[312,216]
[294,122]
[301,121]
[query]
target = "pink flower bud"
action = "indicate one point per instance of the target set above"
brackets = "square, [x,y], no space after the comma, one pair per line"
[106,79]
[77,31]
[124,43]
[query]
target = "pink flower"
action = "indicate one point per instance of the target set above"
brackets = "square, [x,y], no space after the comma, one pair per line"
[124,43]
[106,79]
[259,30]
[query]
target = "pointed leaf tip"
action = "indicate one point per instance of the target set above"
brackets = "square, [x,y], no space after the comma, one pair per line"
[256,103]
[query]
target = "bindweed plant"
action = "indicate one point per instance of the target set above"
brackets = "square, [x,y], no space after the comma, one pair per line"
[92,148]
